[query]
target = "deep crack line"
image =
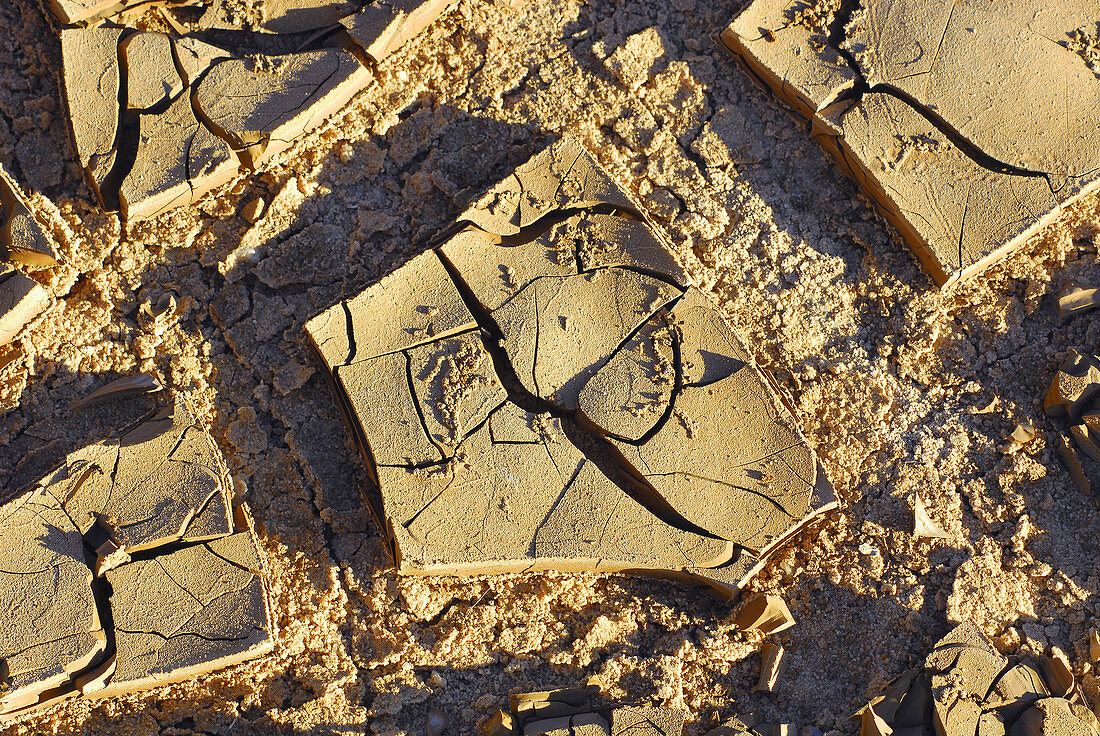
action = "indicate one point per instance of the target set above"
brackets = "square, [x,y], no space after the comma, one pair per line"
[592,445]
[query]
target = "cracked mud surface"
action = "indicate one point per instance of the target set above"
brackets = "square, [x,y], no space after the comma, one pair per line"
[902,389]
[966,159]
[127,568]
[166,109]
[545,391]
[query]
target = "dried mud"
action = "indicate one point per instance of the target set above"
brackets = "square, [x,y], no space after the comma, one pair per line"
[902,389]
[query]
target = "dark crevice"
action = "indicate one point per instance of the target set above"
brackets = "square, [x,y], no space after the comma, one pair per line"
[836,40]
[127,138]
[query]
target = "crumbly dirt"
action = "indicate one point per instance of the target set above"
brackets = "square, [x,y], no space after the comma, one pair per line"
[904,390]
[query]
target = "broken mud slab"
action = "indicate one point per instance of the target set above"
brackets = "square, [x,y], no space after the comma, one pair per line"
[966,688]
[159,119]
[579,712]
[129,567]
[912,101]
[544,391]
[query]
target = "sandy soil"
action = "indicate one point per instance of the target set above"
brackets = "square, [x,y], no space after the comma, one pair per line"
[903,390]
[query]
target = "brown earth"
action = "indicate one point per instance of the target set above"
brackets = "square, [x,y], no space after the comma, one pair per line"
[903,389]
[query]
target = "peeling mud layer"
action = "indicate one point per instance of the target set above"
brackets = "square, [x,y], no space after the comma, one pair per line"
[544,391]
[903,390]
[967,124]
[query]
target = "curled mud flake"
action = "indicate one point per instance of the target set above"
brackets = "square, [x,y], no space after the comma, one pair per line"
[1074,386]
[765,614]
[923,525]
[1023,433]
[966,687]
[22,239]
[121,388]
[579,712]
[156,317]
[771,665]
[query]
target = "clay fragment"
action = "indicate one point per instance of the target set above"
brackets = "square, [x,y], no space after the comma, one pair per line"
[923,526]
[253,210]
[263,105]
[53,629]
[965,162]
[1074,299]
[577,712]
[766,614]
[161,482]
[151,76]
[22,239]
[92,54]
[156,317]
[121,388]
[21,300]
[98,601]
[771,664]
[538,393]
[1094,646]
[178,160]
[232,88]
[1022,433]
[1085,441]
[195,610]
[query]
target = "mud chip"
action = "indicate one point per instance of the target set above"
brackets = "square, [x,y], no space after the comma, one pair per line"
[544,391]
[1074,299]
[159,119]
[966,688]
[129,567]
[579,712]
[912,100]
[21,300]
